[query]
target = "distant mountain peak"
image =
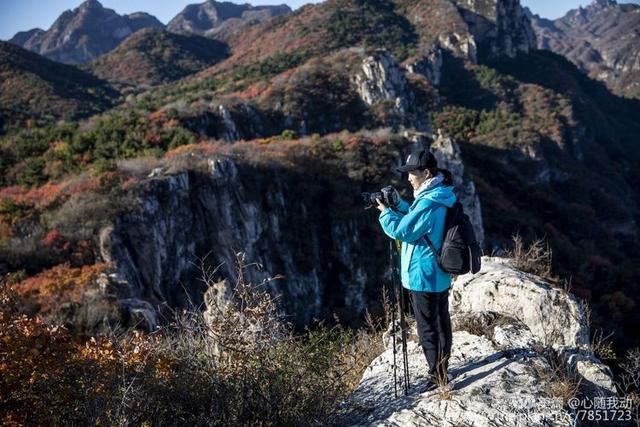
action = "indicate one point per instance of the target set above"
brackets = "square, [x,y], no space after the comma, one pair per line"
[205,18]
[84,33]
[601,4]
[91,4]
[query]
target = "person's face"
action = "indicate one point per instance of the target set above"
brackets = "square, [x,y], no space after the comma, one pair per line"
[416,178]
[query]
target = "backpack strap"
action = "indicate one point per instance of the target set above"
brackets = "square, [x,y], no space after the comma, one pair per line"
[433,248]
[426,237]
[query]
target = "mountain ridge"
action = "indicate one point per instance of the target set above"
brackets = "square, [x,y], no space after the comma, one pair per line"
[601,39]
[84,33]
[213,18]
[155,56]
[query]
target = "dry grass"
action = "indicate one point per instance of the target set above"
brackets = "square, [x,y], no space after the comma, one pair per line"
[535,258]
[442,382]
[630,375]
[599,344]
[560,382]
[629,381]
[139,167]
[602,346]
[480,324]
[365,345]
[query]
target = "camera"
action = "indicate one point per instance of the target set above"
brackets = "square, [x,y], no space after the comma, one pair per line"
[388,196]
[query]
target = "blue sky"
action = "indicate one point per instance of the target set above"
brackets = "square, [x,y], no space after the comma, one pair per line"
[20,15]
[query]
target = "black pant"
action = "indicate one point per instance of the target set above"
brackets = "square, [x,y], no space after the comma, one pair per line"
[434,329]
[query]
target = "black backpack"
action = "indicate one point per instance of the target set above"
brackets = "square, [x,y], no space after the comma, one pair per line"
[460,252]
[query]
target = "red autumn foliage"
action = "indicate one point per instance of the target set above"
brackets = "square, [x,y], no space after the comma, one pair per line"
[46,374]
[46,195]
[40,197]
[155,140]
[279,36]
[54,240]
[253,91]
[60,284]
[6,231]
[158,116]
[171,123]
[76,252]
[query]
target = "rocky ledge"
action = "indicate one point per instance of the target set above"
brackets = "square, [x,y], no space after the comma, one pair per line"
[521,356]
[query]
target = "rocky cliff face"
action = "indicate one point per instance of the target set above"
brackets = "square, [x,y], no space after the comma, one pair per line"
[185,219]
[213,18]
[474,30]
[499,27]
[600,39]
[84,34]
[23,38]
[382,80]
[502,366]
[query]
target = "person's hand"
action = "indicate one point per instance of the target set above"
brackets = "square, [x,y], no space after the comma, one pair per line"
[381,207]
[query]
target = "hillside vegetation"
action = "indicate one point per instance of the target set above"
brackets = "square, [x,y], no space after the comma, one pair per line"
[151,57]
[35,90]
[552,153]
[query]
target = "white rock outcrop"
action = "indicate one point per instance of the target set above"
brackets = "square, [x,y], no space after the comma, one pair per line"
[429,66]
[554,317]
[499,27]
[464,44]
[382,79]
[491,388]
[230,132]
[505,323]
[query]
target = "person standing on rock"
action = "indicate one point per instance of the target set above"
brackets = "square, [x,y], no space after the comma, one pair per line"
[420,273]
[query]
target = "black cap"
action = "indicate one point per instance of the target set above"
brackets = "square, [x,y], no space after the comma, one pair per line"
[418,160]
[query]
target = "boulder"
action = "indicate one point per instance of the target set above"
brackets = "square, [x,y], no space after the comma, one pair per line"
[554,316]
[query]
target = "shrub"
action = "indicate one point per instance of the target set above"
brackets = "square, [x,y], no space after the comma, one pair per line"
[101,166]
[55,241]
[373,24]
[288,134]
[179,136]
[58,285]
[535,259]
[270,66]
[236,364]
[31,172]
[489,78]
[630,375]
[10,210]
[458,122]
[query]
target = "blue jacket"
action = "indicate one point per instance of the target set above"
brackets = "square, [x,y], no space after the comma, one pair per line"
[418,265]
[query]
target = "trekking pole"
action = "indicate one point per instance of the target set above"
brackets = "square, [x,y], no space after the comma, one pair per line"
[397,285]
[393,318]
[405,356]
